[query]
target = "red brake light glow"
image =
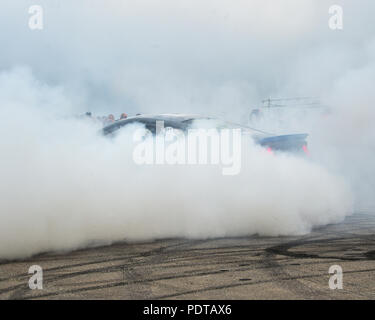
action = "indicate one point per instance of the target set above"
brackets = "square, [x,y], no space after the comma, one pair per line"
[304,147]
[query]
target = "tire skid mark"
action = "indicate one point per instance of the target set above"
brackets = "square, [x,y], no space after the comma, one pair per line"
[233,285]
[192,273]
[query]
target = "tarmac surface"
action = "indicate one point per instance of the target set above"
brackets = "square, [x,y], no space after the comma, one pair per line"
[230,268]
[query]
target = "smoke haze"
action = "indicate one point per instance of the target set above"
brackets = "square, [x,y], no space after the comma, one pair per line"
[64,186]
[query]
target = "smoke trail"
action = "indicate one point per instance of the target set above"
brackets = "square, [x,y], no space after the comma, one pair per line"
[64,186]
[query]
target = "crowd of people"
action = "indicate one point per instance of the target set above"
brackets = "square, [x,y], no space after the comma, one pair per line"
[104,120]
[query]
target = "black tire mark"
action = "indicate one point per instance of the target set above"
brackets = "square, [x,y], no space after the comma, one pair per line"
[233,285]
[284,249]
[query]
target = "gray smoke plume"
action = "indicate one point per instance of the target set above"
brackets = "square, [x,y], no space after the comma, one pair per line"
[63,186]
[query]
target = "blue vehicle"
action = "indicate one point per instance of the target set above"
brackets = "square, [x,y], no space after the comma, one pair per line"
[272,142]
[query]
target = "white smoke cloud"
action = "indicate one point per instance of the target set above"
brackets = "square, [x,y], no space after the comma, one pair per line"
[63,186]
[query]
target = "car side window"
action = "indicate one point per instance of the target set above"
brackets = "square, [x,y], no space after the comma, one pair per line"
[151,125]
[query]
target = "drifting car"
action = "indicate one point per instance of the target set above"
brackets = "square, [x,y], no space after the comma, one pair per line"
[272,142]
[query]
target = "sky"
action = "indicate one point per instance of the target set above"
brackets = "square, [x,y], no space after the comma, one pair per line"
[213,57]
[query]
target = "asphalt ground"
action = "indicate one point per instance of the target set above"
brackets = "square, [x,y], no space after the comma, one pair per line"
[229,268]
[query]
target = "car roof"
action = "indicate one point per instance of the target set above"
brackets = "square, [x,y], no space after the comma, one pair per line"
[171,116]
[177,117]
